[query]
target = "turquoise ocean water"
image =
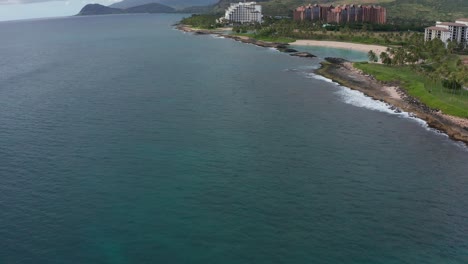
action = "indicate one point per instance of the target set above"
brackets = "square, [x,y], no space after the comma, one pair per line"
[123,140]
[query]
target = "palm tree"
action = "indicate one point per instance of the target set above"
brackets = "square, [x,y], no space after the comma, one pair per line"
[385,58]
[372,56]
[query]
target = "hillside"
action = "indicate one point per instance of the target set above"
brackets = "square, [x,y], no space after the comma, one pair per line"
[172,3]
[429,10]
[97,9]
[150,8]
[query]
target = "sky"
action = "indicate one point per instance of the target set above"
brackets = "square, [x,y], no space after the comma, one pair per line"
[29,9]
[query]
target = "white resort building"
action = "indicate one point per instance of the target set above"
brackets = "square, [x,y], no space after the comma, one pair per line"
[244,12]
[449,31]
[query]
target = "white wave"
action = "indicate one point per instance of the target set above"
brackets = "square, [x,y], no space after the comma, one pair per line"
[359,99]
[320,78]
[310,67]
[217,36]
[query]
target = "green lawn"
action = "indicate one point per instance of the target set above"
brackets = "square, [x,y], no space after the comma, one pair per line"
[431,93]
[266,38]
[276,39]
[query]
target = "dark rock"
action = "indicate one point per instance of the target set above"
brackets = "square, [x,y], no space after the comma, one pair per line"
[303,55]
[335,60]
[287,50]
[281,46]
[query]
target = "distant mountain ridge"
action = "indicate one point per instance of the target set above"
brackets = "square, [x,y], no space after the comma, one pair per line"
[177,4]
[97,9]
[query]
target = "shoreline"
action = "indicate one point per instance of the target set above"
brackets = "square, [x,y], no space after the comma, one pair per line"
[222,33]
[344,73]
[340,45]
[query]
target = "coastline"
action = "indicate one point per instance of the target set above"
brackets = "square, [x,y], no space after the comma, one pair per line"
[340,45]
[223,33]
[344,73]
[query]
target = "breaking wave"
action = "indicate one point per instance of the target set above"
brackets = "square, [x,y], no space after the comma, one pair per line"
[359,99]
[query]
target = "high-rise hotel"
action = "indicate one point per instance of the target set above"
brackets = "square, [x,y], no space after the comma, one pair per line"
[244,12]
[341,14]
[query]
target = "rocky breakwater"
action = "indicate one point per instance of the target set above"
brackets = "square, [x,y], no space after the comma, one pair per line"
[343,72]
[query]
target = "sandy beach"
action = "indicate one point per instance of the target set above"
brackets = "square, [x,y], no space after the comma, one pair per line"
[340,45]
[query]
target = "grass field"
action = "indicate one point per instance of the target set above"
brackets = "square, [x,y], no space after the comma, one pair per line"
[431,93]
[267,38]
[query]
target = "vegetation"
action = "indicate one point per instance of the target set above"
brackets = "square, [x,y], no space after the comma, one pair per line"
[207,21]
[428,90]
[359,33]
[428,71]
[372,56]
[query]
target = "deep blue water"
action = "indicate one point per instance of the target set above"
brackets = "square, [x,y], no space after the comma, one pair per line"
[123,140]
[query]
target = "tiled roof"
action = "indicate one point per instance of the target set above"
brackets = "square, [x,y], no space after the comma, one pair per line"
[451,24]
[462,19]
[438,29]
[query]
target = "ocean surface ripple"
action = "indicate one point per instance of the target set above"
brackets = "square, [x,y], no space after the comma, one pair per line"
[125,141]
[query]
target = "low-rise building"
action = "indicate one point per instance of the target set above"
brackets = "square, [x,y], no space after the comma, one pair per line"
[449,31]
[244,12]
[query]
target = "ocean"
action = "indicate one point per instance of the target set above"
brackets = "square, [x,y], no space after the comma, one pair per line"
[123,140]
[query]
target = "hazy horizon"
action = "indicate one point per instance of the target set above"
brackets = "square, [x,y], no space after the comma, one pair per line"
[37,9]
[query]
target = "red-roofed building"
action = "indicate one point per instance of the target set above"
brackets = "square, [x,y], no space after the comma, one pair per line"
[341,14]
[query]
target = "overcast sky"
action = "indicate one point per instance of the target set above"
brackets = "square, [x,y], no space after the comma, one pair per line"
[27,9]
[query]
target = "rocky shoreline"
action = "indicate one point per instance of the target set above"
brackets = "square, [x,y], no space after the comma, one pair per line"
[344,73]
[244,39]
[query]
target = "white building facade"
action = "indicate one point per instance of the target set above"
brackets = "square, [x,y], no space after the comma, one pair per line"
[244,12]
[449,31]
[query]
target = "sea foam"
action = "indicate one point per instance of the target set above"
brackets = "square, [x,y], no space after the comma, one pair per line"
[217,36]
[359,99]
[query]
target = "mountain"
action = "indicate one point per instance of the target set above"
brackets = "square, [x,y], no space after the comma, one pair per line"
[150,8]
[172,3]
[96,9]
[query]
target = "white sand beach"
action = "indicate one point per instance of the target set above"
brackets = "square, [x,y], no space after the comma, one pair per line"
[340,45]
